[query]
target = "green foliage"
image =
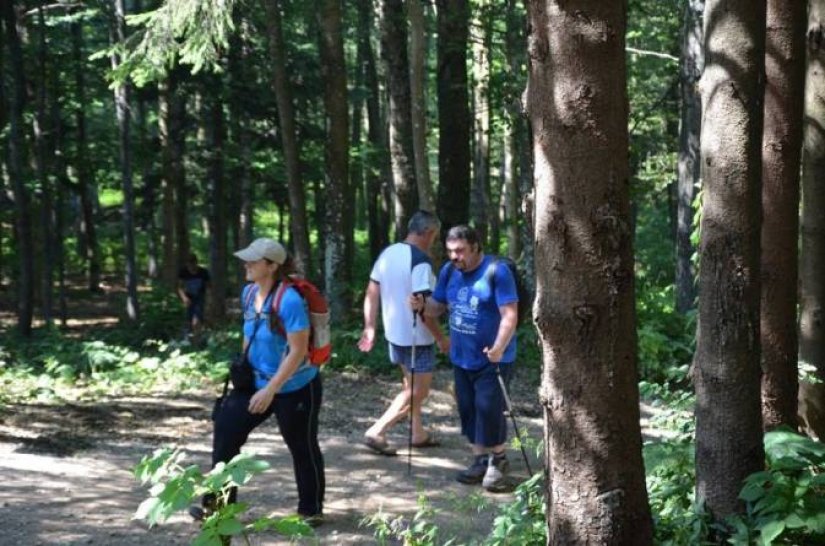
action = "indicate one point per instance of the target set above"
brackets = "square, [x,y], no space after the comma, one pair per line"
[522,521]
[785,502]
[419,531]
[175,487]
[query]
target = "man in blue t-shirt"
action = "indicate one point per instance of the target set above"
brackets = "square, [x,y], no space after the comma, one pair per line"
[480,294]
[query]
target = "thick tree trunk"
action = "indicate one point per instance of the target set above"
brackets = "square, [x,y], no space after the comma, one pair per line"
[214,125]
[394,53]
[453,114]
[124,129]
[812,251]
[480,191]
[585,287]
[90,246]
[338,221]
[781,149]
[15,159]
[727,365]
[690,70]
[377,168]
[299,227]
[418,86]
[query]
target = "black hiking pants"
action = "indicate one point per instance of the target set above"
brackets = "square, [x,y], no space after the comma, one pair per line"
[297,416]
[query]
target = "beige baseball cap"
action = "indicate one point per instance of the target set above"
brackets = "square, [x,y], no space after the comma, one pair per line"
[263,248]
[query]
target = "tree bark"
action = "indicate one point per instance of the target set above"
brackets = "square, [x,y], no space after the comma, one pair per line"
[727,362]
[171,113]
[90,246]
[377,168]
[781,149]
[690,70]
[394,54]
[213,115]
[480,197]
[338,220]
[812,251]
[299,227]
[453,114]
[124,129]
[585,310]
[418,86]
[15,159]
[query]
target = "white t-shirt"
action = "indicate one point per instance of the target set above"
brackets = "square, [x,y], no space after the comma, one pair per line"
[400,270]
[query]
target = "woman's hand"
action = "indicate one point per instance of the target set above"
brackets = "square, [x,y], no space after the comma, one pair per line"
[262,399]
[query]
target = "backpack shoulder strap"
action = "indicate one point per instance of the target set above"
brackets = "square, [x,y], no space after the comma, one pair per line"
[249,293]
[276,306]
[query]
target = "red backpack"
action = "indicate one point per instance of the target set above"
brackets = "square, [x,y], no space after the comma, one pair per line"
[319,349]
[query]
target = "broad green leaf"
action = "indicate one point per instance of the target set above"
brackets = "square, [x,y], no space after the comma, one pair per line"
[771,530]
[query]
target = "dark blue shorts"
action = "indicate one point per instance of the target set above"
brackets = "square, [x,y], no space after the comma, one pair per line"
[195,308]
[481,404]
[424,357]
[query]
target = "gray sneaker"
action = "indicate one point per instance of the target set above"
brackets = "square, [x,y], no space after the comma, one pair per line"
[474,473]
[494,475]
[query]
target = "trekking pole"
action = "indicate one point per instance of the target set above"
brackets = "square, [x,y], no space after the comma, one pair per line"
[412,396]
[509,406]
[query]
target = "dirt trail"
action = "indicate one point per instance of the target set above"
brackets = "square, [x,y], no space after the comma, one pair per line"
[65,470]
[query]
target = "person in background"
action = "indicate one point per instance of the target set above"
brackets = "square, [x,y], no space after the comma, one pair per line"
[193,280]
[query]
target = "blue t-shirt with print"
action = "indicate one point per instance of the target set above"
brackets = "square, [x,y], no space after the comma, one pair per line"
[269,347]
[474,298]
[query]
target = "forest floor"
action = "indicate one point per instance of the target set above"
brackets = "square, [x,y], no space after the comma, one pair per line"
[66,468]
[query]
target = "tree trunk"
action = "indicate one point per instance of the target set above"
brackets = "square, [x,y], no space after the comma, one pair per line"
[171,114]
[453,114]
[299,227]
[124,129]
[338,220]
[812,251]
[377,166]
[44,159]
[585,288]
[239,90]
[690,70]
[727,365]
[214,125]
[90,246]
[402,156]
[418,86]
[15,158]
[781,148]
[480,197]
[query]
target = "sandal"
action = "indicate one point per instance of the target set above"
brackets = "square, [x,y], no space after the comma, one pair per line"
[382,447]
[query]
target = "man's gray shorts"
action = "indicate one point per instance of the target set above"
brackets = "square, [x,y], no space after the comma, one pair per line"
[424,357]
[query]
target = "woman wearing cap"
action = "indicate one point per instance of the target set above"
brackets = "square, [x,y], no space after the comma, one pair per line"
[285,383]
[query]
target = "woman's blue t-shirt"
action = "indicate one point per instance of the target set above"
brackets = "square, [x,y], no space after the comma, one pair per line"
[269,347]
[474,299]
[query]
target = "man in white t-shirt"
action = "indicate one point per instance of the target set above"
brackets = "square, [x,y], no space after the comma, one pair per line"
[403,269]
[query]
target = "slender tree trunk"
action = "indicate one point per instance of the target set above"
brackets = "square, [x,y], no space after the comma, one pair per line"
[585,308]
[213,115]
[239,89]
[14,165]
[378,159]
[453,114]
[338,220]
[44,163]
[124,128]
[88,235]
[171,113]
[62,182]
[149,190]
[690,70]
[289,137]
[812,251]
[511,193]
[418,86]
[402,156]
[727,364]
[480,198]
[781,149]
